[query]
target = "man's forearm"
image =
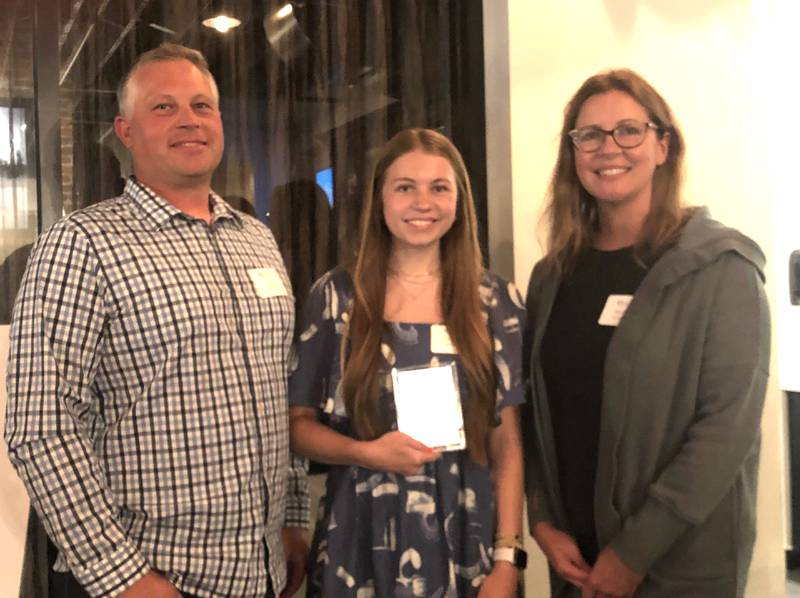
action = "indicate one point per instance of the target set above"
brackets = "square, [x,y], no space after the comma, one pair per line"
[77,513]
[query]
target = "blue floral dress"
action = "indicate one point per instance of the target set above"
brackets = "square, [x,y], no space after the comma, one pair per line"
[385,534]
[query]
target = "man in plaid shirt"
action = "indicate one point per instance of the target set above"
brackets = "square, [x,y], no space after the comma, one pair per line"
[147,411]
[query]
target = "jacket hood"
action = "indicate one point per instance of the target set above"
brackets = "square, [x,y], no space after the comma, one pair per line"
[702,241]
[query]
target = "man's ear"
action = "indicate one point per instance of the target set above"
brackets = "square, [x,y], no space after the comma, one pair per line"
[122,127]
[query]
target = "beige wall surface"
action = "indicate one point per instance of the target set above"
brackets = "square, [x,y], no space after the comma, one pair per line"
[13,500]
[707,57]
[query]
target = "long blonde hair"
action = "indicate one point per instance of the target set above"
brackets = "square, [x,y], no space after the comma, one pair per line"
[572,212]
[461,267]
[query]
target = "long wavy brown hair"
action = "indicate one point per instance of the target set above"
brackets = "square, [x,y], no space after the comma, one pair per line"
[364,367]
[571,212]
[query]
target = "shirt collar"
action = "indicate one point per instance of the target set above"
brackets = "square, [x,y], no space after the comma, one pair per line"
[157,211]
[220,210]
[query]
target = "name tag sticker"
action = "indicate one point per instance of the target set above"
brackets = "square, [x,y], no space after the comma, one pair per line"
[267,282]
[615,308]
[440,340]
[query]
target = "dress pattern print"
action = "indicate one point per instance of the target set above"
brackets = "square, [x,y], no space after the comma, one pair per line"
[384,534]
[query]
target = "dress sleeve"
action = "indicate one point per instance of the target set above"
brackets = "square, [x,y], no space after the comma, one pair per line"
[507,324]
[56,342]
[315,346]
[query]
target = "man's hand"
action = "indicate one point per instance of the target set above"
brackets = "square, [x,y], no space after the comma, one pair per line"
[152,585]
[563,553]
[295,549]
[611,578]
[502,582]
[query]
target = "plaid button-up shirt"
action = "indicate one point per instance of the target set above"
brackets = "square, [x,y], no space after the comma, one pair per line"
[146,384]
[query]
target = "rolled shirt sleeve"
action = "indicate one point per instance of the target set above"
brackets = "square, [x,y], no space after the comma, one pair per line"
[55,347]
[298,501]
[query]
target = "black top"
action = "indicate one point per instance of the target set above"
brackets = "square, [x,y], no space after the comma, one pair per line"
[573,356]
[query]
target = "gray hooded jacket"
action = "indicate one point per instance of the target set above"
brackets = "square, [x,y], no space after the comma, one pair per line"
[684,384]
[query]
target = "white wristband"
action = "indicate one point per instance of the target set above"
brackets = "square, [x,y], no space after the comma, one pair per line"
[504,553]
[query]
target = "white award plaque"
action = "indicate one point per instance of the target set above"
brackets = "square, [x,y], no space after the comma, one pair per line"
[428,406]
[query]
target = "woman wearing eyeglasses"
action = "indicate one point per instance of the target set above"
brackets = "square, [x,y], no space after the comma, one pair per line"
[648,350]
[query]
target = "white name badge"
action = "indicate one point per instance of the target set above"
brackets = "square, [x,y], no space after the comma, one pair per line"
[440,340]
[428,406]
[267,282]
[615,308]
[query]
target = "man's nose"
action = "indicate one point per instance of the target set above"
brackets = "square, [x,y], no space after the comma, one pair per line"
[187,117]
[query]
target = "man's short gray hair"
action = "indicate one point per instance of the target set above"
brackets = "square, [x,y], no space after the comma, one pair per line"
[167,51]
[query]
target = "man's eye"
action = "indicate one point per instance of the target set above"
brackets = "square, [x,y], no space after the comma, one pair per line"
[162,106]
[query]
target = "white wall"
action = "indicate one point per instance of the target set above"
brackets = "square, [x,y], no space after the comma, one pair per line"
[777,40]
[13,500]
[706,57]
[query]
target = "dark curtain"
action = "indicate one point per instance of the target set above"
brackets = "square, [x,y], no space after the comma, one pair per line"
[315,87]
[327,84]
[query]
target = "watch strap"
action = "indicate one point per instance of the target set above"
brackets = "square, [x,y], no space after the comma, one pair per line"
[516,556]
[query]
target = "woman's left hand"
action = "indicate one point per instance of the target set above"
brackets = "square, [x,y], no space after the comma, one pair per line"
[610,578]
[501,582]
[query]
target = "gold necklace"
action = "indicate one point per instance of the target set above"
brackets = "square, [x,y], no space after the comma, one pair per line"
[423,278]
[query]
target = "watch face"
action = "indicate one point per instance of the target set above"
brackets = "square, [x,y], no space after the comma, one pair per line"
[516,556]
[520,558]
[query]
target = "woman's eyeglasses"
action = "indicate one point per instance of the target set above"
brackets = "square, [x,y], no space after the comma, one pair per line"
[627,135]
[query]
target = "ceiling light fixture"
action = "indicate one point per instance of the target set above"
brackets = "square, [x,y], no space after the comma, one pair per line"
[284,10]
[222,23]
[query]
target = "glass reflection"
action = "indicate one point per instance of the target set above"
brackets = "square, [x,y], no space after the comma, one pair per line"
[18,212]
[306,88]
